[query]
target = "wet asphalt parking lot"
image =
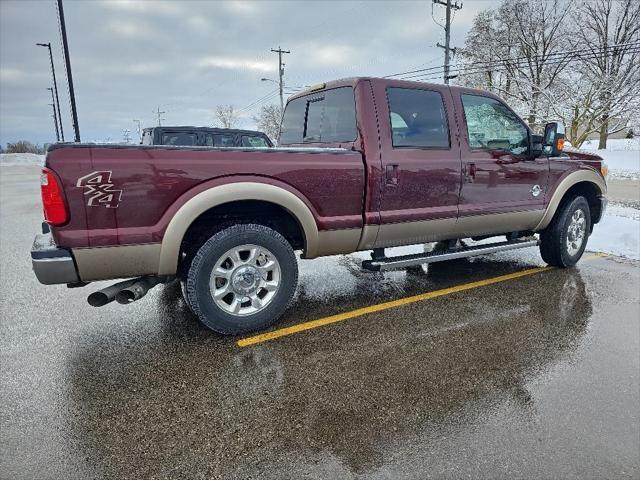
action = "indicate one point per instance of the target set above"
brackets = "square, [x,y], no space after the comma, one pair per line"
[532,377]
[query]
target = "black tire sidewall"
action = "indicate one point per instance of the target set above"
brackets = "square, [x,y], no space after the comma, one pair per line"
[199,274]
[577,203]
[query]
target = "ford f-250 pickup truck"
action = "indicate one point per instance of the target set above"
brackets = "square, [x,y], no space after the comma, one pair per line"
[363,164]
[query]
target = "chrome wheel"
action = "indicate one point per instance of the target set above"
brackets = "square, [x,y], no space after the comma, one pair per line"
[576,232]
[245,279]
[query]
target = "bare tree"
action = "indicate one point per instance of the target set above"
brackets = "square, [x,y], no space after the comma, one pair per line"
[610,30]
[268,121]
[226,116]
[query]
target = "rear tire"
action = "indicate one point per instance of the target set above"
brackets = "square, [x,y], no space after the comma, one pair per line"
[563,242]
[241,279]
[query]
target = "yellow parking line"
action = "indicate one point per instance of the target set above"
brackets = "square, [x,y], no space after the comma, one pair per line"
[301,327]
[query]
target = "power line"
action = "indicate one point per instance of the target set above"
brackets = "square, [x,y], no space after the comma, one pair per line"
[264,98]
[505,65]
[439,68]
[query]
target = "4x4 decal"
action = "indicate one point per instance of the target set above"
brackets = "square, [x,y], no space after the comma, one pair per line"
[99,189]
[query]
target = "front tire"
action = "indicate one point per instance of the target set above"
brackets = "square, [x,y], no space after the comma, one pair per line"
[563,242]
[241,279]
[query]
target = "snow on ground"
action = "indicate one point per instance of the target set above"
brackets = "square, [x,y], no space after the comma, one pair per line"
[618,233]
[12,159]
[622,156]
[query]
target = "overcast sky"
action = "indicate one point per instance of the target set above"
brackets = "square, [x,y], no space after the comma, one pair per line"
[128,57]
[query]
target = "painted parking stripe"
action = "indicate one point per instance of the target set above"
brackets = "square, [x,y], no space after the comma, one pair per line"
[321,322]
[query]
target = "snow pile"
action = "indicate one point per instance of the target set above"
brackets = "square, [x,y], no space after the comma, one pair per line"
[622,156]
[618,233]
[13,159]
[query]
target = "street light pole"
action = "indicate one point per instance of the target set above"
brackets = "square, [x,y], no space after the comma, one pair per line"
[55,118]
[55,87]
[65,47]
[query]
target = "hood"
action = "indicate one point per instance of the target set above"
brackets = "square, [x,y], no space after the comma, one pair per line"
[577,154]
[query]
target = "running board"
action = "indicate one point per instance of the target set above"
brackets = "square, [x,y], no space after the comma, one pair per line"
[391,263]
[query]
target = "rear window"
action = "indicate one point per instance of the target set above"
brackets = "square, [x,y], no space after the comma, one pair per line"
[324,117]
[254,142]
[178,138]
[417,118]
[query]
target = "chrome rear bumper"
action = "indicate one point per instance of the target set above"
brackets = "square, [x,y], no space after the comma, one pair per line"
[52,265]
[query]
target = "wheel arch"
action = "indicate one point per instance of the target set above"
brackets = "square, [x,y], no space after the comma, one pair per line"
[584,182]
[231,193]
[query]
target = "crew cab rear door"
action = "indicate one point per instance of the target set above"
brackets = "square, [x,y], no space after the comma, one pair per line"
[420,163]
[499,174]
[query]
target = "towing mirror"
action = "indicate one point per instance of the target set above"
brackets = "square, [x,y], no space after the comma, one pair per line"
[536,145]
[553,139]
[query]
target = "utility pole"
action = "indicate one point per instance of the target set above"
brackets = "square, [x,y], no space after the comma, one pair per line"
[55,117]
[159,113]
[138,128]
[55,86]
[279,51]
[72,95]
[447,36]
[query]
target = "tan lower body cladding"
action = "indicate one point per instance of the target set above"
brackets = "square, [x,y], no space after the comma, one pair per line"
[123,261]
[410,233]
[126,261]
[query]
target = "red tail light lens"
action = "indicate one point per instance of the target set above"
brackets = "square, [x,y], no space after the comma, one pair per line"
[55,208]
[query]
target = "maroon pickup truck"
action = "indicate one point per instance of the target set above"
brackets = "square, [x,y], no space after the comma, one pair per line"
[363,164]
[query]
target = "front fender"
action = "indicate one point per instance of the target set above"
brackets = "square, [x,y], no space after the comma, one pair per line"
[227,193]
[580,176]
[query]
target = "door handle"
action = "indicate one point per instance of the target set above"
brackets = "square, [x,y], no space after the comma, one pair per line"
[392,175]
[470,172]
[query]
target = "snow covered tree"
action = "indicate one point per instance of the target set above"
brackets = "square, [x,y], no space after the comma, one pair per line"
[268,121]
[513,51]
[226,116]
[609,33]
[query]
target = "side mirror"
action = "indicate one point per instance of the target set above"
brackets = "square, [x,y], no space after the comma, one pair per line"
[553,139]
[536,145]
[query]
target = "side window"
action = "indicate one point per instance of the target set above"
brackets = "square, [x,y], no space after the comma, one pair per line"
[219,140]
[492,126]
[179,138]
[418,118]
[325,117]
[255,142]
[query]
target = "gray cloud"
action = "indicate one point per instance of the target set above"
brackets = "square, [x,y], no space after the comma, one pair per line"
[128,57]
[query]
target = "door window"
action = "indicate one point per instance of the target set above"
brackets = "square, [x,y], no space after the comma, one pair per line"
[255,142]
[178,138]
[219,140]
[492,126]
[418,118]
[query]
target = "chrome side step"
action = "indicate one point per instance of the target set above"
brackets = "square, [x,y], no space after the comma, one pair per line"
[391,263]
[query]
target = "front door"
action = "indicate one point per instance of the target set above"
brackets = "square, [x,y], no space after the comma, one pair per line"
[420,164]
[499,174]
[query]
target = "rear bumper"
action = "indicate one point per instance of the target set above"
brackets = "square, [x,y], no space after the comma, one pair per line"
[52,265]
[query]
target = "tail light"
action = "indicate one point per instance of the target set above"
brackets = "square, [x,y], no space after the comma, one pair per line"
[55,207]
